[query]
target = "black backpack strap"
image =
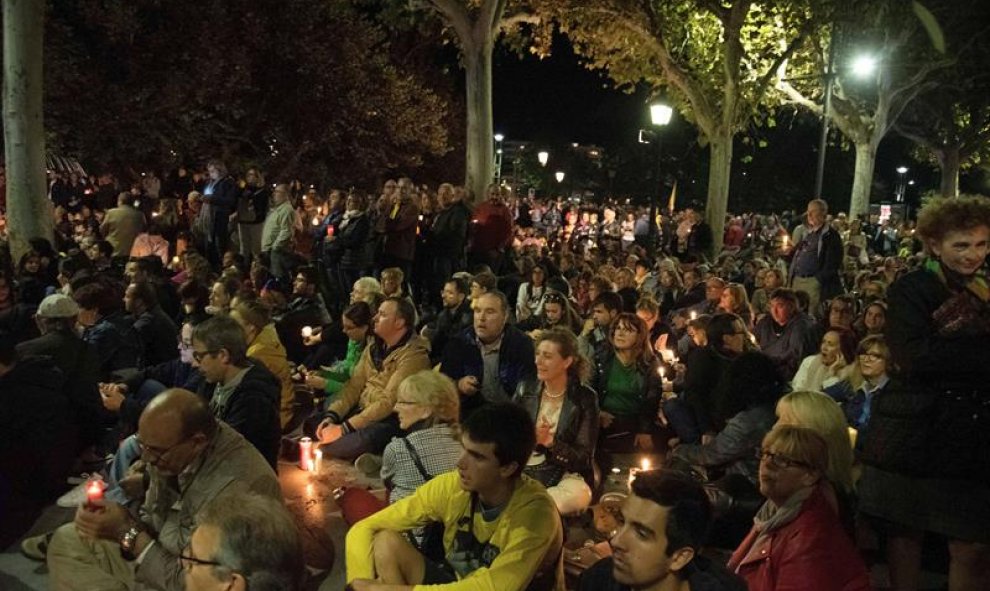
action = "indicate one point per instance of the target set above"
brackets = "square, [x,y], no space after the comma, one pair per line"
[416,460]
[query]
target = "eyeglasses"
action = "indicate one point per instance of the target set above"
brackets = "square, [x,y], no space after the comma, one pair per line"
[779,461]
[199,355]
[870,356]
[187,560]
[406,402]
[154,454]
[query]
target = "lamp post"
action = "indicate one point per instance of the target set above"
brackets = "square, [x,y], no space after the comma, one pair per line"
[901,184]
[660,114]
[498,157]
[544,157]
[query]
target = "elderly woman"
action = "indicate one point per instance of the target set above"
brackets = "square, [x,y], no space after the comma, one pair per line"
[829,365]
[926,449]
[565,412]
[365,289]
[797,540]
[427,404]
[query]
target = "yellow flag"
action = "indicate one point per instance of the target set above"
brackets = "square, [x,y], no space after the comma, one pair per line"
[673,197]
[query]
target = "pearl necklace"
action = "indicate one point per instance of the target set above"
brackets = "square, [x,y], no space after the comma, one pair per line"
[546,392]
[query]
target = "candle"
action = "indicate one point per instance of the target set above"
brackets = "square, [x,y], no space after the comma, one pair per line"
[694,315]
[306,454]
[94,493]
[307,331]
[644,464]
[661,372]
[317,460]
[632,476]
[616,470]
[316,221]
[175,260]
[329,229]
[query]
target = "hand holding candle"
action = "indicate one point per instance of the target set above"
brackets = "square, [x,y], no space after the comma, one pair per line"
[94,493]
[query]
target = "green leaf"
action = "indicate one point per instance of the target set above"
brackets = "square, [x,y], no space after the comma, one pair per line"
[931,26]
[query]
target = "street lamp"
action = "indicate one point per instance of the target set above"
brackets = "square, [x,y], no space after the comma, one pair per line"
[543,157]
[559,175]
[863,66]
[660,115]
[901,184]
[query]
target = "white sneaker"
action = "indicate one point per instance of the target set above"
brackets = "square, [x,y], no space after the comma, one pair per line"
[74,497]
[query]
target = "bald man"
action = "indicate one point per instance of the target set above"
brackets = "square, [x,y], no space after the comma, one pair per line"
[190,459]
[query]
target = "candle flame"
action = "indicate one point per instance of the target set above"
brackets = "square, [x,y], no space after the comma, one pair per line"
[644,464]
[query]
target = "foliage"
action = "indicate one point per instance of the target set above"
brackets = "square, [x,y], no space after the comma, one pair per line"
[292,85]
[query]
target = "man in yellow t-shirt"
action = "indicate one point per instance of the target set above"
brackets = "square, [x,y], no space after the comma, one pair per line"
[501,529]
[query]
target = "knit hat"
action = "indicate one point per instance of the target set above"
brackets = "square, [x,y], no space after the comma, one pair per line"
[57,306]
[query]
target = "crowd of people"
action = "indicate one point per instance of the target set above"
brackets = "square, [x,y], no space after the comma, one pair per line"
[817,391]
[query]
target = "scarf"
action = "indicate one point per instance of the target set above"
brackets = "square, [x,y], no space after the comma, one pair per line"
[967,311]
[349,215]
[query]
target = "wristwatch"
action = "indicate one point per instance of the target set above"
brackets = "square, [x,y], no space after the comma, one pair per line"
[128,540]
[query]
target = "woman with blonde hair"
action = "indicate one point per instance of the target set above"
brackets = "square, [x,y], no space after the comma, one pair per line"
[797,540]
[735,301]
[428,405]
[818,412]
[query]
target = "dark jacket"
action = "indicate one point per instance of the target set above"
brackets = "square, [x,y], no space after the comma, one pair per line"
[733,450]
[691,297]
[252,410]
[158,336]
[795,341]
[351,245]
[117,344]
[650,396]
[574,441]
[931,419]
[36,443]
[462,357]
[447,325]
[450,230]
[78,362]
[252,206]
[171,374]
[400,232]
[224,197]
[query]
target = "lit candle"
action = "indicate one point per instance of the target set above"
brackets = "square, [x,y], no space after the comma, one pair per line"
[616,470]
[175,260]
[316,221]
[94,493]
[317,460]
[694,315]
[329,229]
[307,331]
[644,464]
[786,238]
[306,454]
[661,372]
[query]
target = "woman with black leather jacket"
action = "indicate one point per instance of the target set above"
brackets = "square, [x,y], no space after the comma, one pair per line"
[565,412]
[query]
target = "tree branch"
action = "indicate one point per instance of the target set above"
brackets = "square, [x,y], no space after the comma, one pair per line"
[456,15]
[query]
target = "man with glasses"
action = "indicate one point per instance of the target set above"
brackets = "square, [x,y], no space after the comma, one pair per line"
[244,541]
[241,393]
[817,257]
[192,459]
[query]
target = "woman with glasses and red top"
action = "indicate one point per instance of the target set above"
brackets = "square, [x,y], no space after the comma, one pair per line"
[797,540]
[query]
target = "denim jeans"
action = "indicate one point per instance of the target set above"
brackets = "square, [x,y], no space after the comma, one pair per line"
[371,439]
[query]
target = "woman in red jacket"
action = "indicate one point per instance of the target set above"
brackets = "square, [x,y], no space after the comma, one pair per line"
[797,540]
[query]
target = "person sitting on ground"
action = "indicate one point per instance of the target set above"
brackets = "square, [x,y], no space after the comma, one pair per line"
[565,412]
[305,309]
[365,289]
[557,313]
[107,328]
[529,301]
[360,420]
[874,319]
[245,540]
[797,540]
[830,365]
[841,312]
[786,334]
[482,283]
[626,378]
[191,459]
[453,318]
[76,359]
[658,545]
[392,279]
[242,393]
[355,322]
[156,331]
[502,530]
[255,318]
[756,388]
[428,408]
[222,294]
[867,378]
[594,336]
[660,332]
[488,360]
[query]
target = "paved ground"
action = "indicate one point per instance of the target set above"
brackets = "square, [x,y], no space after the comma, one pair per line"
[308,495]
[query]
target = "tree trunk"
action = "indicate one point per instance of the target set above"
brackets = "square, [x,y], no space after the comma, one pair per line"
[719,171]
[28,208]
[480,155]
[948,163]
[859,202]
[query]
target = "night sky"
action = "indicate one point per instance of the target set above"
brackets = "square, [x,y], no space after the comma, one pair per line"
[556,101]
